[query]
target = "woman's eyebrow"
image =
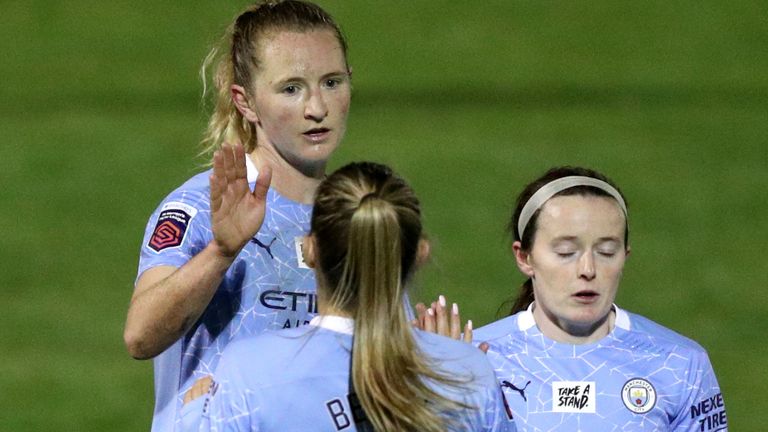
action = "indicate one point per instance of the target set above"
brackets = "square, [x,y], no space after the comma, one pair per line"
[609,239]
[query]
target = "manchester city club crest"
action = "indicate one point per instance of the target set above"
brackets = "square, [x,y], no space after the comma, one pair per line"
[638,395]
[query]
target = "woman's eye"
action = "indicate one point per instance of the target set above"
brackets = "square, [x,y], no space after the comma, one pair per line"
[607,254]
[565,254]
[331,83]
[290,89]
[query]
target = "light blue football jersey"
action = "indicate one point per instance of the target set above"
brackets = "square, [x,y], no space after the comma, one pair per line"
[303,384]
[267,287]
[641,377]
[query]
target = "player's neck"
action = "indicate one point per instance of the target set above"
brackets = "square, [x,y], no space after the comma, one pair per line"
[573,333]
[295,183]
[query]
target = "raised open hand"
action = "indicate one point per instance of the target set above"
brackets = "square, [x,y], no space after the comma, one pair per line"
[236,212]
[437,319]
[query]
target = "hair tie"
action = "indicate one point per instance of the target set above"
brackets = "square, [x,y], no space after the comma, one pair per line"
[368,196]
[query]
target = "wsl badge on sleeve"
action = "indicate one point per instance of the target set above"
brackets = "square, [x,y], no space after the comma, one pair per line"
[639,395]
[171,226]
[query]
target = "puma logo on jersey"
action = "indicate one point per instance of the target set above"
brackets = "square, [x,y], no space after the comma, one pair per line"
[515,388]
[267,248]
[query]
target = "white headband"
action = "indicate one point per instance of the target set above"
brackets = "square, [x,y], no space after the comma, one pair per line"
[552,188]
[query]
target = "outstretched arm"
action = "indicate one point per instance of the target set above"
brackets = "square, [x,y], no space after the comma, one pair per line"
[167,301]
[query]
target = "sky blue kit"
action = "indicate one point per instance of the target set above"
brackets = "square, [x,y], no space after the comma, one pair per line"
[303,384]
[267,287]
[641,377]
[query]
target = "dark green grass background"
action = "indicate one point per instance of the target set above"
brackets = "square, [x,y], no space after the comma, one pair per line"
[100,115]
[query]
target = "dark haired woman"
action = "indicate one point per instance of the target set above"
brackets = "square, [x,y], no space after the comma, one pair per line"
[569,358]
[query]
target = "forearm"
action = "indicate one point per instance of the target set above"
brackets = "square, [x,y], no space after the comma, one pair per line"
[165,307]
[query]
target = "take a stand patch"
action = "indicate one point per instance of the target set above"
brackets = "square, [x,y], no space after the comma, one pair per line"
[171,226]
[573,396]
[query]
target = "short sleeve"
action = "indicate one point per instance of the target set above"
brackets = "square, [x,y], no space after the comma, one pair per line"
[703,408]
[177,230]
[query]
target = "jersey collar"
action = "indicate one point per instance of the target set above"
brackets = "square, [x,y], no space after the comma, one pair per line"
[334,323]
[525,319]
[250,169]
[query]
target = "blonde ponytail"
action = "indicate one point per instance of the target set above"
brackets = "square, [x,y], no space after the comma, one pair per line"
[373,219]
[226,124]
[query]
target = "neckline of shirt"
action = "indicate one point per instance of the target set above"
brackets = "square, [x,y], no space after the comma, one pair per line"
[334,323]
[252,173]
[250,169]
[526,321]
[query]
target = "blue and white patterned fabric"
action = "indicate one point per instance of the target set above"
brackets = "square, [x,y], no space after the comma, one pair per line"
[302,385]
[267,287]
[641,377]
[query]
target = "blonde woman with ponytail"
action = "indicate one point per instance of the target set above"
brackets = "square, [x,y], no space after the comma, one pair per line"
[221,254]
[359,365]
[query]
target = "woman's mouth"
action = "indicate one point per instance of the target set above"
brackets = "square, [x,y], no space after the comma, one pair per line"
[317,135]
[586,296]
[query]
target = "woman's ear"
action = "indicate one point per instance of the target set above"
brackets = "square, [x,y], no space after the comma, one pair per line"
[424,252]
[523,259]
[308,251]
[243,105]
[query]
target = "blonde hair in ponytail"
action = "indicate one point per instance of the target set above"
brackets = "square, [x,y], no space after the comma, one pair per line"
[235,60]
[367,225]
[226,124]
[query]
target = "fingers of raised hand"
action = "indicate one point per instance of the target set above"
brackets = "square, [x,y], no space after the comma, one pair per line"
[241,172]
[440,319]
[421,312]
[443,327]
[448,319]
[235,215]
[218,162]
[222,175]
[262,183]
[430,325]
[455,322]
[215,193]
[230,173]
[468,332]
